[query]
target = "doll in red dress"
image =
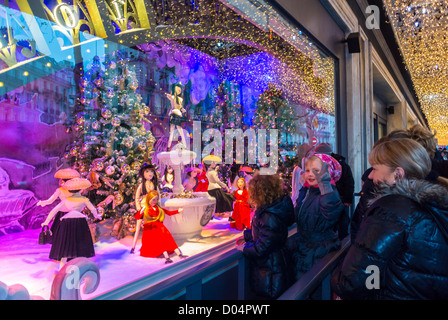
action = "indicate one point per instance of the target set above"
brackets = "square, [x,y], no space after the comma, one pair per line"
[241,208]
[156,238]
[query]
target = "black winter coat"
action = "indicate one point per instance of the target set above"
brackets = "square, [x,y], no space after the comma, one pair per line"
[346,184]
[367,194]
[270,273]
[317,220]
[399,235]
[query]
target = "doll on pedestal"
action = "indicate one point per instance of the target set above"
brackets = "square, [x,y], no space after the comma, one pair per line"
[61,193]
[177,114]
[168,179]
[149,183]
[156,239]
[241,209]
[72,238]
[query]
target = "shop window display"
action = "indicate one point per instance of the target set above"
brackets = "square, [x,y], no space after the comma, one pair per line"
[115,88]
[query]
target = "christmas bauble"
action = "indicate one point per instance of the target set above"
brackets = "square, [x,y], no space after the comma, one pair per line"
[106,113]
[125,168]
[95,125]
[118,199]
[110,93]
[74,151]
[84,82]
[142,145]
[133,85]
[136,165]
[110,170]
[99,82]
[116,122]
[128,142]
[98,165]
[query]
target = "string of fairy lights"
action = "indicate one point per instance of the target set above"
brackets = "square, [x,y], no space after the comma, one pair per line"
[311,82]
[421,30]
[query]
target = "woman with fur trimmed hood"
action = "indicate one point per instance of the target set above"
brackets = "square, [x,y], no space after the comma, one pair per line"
[404,236]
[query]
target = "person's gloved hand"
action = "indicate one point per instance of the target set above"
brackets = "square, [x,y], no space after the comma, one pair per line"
[323,179]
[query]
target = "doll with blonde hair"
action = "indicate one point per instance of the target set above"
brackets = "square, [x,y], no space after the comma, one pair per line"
[156,238]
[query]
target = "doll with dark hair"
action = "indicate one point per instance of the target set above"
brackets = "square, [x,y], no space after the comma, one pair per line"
[177,114]
[168,179]
[149,183]
[191,180]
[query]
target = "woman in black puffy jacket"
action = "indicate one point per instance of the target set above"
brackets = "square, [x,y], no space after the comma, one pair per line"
[401,248]
[270,273]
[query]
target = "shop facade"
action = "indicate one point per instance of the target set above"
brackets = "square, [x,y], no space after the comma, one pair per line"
[86,84]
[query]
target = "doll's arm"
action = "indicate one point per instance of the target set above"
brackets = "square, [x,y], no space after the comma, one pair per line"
[137,197]
[92,209]
[51,199]
[52,214]
[216,178]
[139,214]
[173,212]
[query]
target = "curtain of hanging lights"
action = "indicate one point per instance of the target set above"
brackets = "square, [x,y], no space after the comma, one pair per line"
[421,29]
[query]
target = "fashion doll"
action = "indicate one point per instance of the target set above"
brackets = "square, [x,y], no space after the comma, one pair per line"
[202,185]
[149,182]
[241,209]
[72,238]
[191,181]
[61,193]
[177,114]
[224,200]
[156,239]
[168,179]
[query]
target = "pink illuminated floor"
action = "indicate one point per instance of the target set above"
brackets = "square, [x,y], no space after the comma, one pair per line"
[23,261]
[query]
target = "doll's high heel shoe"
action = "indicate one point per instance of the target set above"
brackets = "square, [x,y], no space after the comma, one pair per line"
[168,260]
[132,250]
[181,256]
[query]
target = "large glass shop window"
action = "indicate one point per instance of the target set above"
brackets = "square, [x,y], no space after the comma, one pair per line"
[90,84]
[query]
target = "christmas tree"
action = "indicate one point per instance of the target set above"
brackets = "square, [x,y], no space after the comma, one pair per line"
[227,113]
[111,142]
[273,111]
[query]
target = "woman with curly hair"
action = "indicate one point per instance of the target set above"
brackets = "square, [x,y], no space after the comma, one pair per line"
[265,241]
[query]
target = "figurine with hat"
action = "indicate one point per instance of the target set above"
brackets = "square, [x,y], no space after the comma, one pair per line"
[61,193]
[72,237]
[224,200]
